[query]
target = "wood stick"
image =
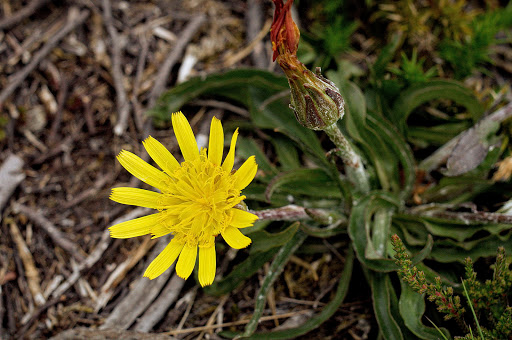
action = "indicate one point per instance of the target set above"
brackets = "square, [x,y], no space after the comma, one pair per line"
[235,323]
[23,13]
[31,272]
[123,105]
[254,18]
[55,234]
[244,52]
[11,175]
[61,101]
[141,296]
[212,317]
[96,253]
[467,217]
[159,307]
[177,50]
[443,153]
[107,290]
[74,19]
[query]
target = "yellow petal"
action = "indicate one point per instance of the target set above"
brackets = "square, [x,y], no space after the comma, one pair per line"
[133,228]
[161,155]
[186,262]
[164,260]
[159,230]
[185,136]
[216,142]
[135,196]
[235,238]
[242,219]
[230,158]
[245,174]
[207,265]
[142,170]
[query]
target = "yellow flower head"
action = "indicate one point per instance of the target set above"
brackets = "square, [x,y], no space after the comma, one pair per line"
[196,202]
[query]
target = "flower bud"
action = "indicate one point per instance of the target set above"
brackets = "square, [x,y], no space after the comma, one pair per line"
[316,101]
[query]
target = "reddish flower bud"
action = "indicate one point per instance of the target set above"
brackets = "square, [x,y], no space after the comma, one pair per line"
[284,34]
[316,101]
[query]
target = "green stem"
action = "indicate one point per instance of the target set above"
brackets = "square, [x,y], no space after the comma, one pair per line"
[354,167]
[274,271]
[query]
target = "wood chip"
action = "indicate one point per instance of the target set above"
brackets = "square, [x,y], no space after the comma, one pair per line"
[11,175]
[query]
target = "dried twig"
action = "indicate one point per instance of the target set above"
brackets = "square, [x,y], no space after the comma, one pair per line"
[254,18]
[96,253]
[289,212]
[23,13]
[61,100]
[137,111]
[32,317]
[233,59]
[157,310]
[177,50]
[123,105]
[74,19]
[443,153]
[56,235]
[10,176]
[107,290]
[140,297]
[109,334]
[212,317]
[98,184]
[466,217]
[31,272]
[235,323]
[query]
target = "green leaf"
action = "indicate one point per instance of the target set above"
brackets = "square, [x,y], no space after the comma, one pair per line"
[274,271]
[286,153]
[237,85]
[312,182]
[382,292]
[421,93]
[378,69]
[247,147]
[412,307]
[256,192]
[242,271]
[329,231]
[360,227]
[448,250]
[263,241]
[316,320]
[403,169]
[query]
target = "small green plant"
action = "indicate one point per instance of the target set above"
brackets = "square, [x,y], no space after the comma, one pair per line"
[465,55]
[424,23]
[411,70]
[330,33]
[488,301]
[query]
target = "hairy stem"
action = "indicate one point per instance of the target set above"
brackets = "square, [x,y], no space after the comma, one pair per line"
[354,167]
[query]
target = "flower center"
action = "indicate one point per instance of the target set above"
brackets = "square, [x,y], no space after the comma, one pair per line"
[198,201]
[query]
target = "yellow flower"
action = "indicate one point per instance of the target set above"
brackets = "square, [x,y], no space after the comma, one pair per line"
[196,202]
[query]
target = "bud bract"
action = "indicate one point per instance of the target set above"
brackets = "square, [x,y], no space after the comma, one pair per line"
[316,101]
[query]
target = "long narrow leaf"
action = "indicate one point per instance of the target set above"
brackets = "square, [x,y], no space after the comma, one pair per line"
[275,270]
[327,310]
